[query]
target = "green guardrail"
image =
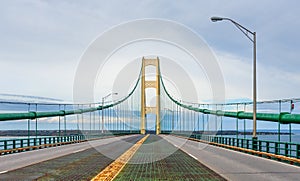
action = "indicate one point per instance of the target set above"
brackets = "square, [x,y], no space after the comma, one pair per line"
[37,141]
[278,148]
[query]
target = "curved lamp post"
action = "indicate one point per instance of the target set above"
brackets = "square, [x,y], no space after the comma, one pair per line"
[253,40]
[103,98]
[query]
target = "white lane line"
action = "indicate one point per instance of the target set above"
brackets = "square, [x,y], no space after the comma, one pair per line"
[193,156]
[3,171]
[183,150]
[78,151]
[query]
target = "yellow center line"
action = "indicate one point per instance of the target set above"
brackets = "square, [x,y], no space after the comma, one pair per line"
[112,170]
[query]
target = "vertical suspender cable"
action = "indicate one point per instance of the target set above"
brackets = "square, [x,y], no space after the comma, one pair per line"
[65,121]
[36,121]
[28,123]
[244,122]
[279,103]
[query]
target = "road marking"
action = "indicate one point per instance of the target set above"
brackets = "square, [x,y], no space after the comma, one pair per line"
[3,171]
[113,169]
[78,151]
[193,156]
[181,148]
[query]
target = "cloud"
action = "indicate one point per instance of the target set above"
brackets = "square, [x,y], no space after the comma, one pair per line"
[272,82]
[42,41]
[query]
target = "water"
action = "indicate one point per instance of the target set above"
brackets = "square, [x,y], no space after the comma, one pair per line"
[283,138]
[19,137]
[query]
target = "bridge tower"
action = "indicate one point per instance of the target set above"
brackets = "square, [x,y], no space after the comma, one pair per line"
[150,84]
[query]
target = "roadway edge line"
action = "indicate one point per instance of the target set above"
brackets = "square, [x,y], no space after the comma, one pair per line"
[256,154]
[2,172]
[194,157]
[180,148]
[113,169]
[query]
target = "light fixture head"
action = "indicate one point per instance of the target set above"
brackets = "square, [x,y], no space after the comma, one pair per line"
[215,19]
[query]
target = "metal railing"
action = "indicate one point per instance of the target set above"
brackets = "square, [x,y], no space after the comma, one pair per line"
[274,147]
[27,142]
[19,143]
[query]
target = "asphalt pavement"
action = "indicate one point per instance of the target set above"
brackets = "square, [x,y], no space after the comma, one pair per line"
[233,165]
[79,161]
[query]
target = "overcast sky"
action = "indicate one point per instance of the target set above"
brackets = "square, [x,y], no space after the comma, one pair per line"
[42,41]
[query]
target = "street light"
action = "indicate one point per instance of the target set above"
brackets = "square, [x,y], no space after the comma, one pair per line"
[253,40]
[103,98]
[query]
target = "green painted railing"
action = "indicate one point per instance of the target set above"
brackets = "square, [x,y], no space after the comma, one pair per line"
[278,148]
[36,141]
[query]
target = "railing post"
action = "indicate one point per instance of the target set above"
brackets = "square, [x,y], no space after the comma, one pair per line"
[21,143]
[259,146]
[267,147]
[286,149]
[276,148]
[5,144]
[298,151]
[254,143]
[14,144]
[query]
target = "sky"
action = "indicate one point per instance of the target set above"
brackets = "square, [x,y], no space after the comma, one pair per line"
[42,42]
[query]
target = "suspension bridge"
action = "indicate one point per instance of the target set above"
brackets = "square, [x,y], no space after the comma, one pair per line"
[120,140]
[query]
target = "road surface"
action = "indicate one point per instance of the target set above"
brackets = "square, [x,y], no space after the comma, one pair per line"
[79,161]
[234,165]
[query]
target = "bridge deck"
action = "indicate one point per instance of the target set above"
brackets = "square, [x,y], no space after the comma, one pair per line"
[234,165]
[157,159]
[81,163]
